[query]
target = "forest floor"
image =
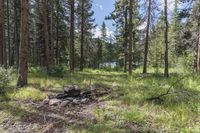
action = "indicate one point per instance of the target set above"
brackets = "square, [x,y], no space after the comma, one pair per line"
[132,106]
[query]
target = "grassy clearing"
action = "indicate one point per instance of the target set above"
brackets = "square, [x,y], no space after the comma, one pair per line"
[176,112]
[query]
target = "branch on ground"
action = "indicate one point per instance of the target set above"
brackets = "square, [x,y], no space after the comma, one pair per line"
[159,97]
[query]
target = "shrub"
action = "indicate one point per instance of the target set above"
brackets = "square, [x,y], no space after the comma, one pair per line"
[5,78]
[34,69]
[188,61]
[57,71]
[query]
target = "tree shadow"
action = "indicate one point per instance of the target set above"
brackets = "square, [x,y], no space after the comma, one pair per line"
[44,116]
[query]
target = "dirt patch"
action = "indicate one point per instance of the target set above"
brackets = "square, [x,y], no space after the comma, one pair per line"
[48,118]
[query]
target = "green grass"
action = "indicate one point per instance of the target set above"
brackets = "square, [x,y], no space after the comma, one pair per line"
[177,112]
[28,93]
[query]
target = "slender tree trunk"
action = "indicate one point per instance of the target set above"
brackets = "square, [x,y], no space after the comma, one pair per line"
[57,35]
[130,35]
[147,39]
[51,31]
[166,72]
[72,56]
[1,32]
[5,53]
[82,35]
[46,33]
[8,33]
[4,42]
[126,40]
[198,49]
[38,52]
[35,55]
[12,61]
[23,66]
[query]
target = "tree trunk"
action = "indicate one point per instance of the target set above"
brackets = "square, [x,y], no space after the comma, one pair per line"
[1,31]
[198,49]
[4,42]
[52,35]
[130,35]
[166,71]
[126,39]
[57,33]
[72,64]
[5,52]
[8,33]
[147,39]
[46,33]
[82,35]
[23,66]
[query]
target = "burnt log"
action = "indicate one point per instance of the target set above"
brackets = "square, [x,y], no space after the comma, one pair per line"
[86,94]
[72,90]
[62,96]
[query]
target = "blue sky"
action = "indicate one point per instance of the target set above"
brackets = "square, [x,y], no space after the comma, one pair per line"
[101,9]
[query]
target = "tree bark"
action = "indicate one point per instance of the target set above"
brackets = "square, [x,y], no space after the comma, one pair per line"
[51,33]
[72,56]
[126,39]
[147,38]
[8,33]
[82,35]
[166,71]
[1,32]
[198,48]
[130,35]
[46,33]
[57,33]
[23,66]
[4,44]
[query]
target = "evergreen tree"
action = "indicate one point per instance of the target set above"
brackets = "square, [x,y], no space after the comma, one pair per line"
[174,34]
[103,32]
[147,37]
[85,26]
[104,41]
[157,47]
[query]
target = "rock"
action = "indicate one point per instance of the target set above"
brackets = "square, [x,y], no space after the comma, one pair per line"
[85,100]
[50,96]
[69,99]
[72,90]
[64,103]
[45,101]
[54,102]
[75,101]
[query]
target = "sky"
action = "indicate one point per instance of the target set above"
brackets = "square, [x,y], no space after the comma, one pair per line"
[103,8]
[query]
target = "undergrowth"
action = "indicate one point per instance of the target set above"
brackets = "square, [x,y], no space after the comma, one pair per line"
[178,111]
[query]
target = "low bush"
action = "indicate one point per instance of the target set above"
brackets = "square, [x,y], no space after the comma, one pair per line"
[5,78]
[57,71]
